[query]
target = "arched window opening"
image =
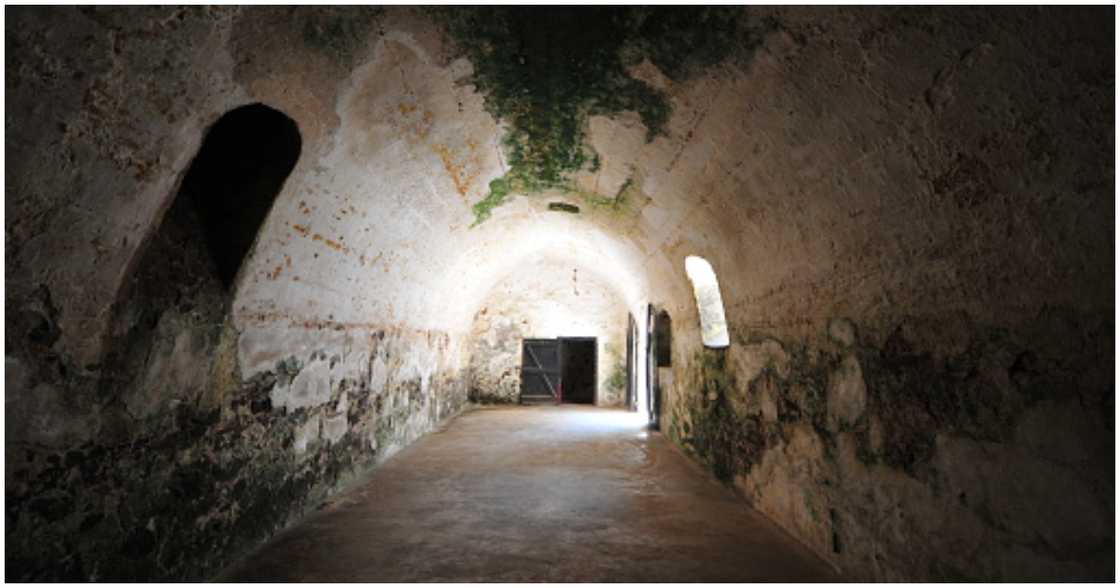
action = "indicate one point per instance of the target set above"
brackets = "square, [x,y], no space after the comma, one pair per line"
[239,170]
[713,323]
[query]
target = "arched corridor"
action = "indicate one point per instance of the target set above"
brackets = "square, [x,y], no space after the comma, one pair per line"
[854,264]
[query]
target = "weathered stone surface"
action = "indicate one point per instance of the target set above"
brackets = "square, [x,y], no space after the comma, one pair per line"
[335,427]
[310,387]
[750,359]
[306,434]
[176,370]
[831,472]
[44,415]
[545,299]
[768,404]
[230,477]
[842,331]
[16,377]
[1062,431]
[941,178]
[786,485]
[1076,520]
[847,394]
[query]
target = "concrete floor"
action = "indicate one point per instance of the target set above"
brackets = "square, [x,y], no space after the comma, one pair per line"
[536,494]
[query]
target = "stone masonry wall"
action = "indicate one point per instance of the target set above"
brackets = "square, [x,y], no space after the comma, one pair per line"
[920,379]
[902,460]
[202,438]
[155,429]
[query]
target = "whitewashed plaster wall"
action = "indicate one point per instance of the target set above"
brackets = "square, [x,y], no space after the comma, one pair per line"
[548,298]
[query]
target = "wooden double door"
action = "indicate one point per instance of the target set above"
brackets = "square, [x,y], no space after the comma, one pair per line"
[559,370]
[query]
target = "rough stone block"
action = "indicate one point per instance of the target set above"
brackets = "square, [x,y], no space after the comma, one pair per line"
[842,331]
[310,388]
[16,378]
[306,434]
[847,394]
[335,428]
[749,360]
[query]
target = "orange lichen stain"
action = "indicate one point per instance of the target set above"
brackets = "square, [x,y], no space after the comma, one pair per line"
[455,171]
[275,273]
[406,108]
[421,128]
[336,245]
[330,243]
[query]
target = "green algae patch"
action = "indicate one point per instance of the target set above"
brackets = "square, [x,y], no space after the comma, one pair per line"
[728,444]
[545,70]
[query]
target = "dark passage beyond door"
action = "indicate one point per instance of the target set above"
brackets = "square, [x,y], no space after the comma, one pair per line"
[578,367]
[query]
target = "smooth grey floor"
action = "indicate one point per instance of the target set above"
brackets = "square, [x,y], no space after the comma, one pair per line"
[562,494]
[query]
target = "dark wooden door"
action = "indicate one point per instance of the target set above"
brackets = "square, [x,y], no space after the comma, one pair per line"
[540,370]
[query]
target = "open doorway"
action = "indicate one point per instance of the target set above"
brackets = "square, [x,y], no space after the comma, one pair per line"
[579,365]
[658,354]
[631,363]
[559,370]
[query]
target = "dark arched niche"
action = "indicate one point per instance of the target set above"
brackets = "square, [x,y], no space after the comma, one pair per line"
[238,172]
[169,315]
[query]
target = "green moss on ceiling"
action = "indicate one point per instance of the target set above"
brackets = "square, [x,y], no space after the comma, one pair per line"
[545,70]
[338,31]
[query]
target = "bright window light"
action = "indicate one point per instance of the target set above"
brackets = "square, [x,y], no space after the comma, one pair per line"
[713,323]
